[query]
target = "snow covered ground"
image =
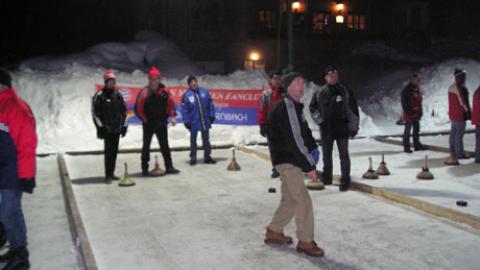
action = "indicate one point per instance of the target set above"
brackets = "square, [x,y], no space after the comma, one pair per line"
[209,218]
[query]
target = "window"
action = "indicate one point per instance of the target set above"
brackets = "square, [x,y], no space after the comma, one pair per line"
[356,22]
[266,20]
[320,22]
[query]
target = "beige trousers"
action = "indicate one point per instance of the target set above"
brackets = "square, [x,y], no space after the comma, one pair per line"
[295,202]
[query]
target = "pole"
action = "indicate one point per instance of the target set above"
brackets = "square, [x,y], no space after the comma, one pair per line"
[289,33]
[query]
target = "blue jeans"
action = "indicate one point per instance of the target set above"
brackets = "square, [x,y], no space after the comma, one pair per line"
[11,216]
[477,144]
[456,138]
[207,148]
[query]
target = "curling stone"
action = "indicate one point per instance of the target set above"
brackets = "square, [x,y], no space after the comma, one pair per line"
[425,174]
[370,174]
[452,160]
[233,166]
[157,171]
[315,185]
[126,180]
[382,169]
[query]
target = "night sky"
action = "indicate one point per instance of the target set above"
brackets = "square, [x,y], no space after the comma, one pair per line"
[58,27]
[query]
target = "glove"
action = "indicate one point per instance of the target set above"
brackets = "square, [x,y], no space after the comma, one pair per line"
[28,184]
[101,133]
[123,131]
[188,126]
[263,130]
[468,115]
[315,155]
[212,119]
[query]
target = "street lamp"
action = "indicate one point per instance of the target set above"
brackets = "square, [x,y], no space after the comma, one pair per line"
[340,9]
[295,6]
[254,57]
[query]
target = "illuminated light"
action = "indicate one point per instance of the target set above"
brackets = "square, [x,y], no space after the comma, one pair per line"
[254,56]
[339,19]
[340,7]
[296,5]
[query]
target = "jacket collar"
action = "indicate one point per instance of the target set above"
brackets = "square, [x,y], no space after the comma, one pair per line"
[294,101]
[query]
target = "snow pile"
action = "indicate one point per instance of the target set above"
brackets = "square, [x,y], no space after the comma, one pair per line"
[384,103]
[148,49]
[61,102]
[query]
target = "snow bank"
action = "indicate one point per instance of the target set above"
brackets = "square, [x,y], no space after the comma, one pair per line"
[384,102]
[61,102]
[148,49]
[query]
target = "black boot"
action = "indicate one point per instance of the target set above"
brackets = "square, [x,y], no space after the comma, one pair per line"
[274,174]
[19,260]
[344,184]
[7,256]
[145,170]
[3,236]
[172,171]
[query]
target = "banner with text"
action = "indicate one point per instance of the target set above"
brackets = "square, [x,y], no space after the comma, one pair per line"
[232,106]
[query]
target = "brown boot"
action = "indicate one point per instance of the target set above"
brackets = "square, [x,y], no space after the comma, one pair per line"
[310,249]
[277,238]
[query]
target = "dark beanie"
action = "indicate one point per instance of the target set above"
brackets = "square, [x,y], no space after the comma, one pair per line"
[329,69]
[191,78]
[458,72]
[5,78]
[288,78]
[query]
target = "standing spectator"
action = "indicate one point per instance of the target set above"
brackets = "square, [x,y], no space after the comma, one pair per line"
[334,108]
[476,122]
[18,142]
[269,97]
[110,118]
[198,115]
[459,112]
[154,106]
[412,113]
[291,147]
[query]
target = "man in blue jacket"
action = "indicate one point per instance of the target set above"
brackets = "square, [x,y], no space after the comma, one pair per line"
[198,115]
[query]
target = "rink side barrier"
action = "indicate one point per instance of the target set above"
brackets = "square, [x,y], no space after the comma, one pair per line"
[79,233]
[383,139]
[429,208]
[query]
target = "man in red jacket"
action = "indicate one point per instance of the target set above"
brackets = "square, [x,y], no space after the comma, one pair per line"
[17,170]
[154,106]
[476,122]
[459,112]
[269,96]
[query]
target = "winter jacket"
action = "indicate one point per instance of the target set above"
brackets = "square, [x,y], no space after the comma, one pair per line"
[458,105]
[17,124]
[268,98]
[153,107]
[476,108]
[290,138]
[109,111]
[198,111]
[412,103]
[335,109]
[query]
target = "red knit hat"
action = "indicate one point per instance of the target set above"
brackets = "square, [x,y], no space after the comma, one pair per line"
[109,75]
[154,72]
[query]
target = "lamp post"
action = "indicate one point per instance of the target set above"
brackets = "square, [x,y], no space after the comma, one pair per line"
[339,10]
[290,32]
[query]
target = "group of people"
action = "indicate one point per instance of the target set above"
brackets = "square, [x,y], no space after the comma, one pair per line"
[459,112]
[294,151]
[155,108]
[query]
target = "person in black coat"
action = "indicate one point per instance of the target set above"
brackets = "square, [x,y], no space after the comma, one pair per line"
[412,113]
[110,118]
[335,109]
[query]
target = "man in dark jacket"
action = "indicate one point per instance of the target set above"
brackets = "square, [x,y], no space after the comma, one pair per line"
[110,118]
[412,113]
[268,98]
[18,142]
[291,146]
[198,115]
[154,106]
[334,108]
